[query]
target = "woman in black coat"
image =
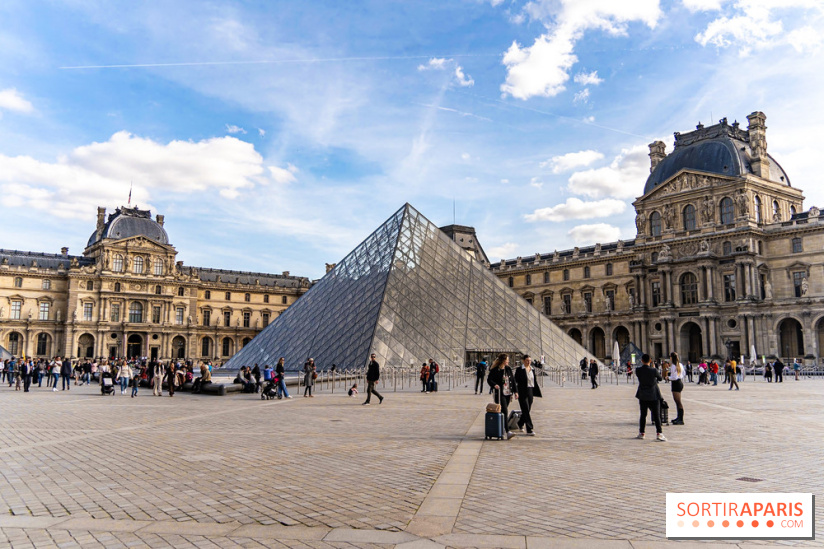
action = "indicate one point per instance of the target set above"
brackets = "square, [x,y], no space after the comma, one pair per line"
[503,384]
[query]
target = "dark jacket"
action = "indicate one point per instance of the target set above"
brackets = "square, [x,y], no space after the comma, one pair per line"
[480,369]
[593,369]
[279,369]
[496,377]
[521,382]
[648,378]
[66,368]
[373,371]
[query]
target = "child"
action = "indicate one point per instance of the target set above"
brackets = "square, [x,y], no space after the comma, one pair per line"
[135,383]
[353,391]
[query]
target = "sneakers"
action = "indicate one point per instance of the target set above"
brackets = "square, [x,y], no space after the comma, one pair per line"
[289,397]
[661,437]
[640,436]
[55,389]
[509,434]
[366,404]
[531,434]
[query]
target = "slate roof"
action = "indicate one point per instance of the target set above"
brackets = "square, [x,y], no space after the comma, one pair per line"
[128,222]
[244,277]
[18,258]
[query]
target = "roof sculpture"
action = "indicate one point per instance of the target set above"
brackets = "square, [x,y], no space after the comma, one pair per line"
[407,293]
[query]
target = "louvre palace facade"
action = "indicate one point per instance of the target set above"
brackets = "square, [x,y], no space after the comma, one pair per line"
[725,259]
[126,295]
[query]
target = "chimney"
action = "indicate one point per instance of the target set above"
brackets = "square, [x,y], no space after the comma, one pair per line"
[285,273]
[330,266]
[657,152]
[757,130]
[64,251]
[160,219]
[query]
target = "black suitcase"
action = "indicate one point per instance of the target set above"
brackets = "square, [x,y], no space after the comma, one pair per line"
[514,418]
[494,426]
[664,408]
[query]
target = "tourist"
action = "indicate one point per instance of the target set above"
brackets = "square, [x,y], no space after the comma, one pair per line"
[24,375]
[55,372]
[480,374]
[434,369]
[649,397]
[309,376]
[629,371]
[66,374]
[268,372]
[593,373]
[778,370]
[584,367]
[353,390]
[501,381]
[738,369]
[688,369]
[702,373]
[730,368]
[158,372]
[373,374]
[676,375]
[714,372]
[135,382]
[424,377]
[796,367]
[171,378]
[526,387]
[256,375]
[768,372]
[280,372]
[124,374]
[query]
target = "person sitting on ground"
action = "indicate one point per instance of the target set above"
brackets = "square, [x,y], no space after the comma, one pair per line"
[353,390]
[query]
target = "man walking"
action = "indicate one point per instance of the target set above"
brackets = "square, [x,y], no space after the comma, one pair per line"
[526,388]
[171,374]
[778,370]
[593,373]
[649,397]
[480,374]
[66,374]
[373,374]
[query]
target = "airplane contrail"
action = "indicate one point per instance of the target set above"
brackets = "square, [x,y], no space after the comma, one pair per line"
[274,61]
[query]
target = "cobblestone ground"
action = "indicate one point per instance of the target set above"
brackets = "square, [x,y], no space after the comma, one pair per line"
[82,470]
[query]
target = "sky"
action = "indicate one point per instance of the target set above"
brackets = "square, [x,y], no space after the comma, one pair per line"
[275,136]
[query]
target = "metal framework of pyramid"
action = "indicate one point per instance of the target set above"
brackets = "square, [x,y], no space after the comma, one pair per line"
[407,293]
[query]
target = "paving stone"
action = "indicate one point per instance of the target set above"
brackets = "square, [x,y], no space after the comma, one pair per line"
[368,536]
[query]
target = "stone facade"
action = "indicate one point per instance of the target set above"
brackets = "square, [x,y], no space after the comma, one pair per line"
[725,259]
[128,296]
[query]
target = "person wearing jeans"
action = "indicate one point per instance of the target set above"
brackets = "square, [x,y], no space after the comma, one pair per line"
[373,374]
[526,388]
[125,374]
[280,372]
[66,374]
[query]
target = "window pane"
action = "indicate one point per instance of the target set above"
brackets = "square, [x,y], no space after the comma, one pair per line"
[88,308]
[179,315]
[158,267]
[115,312]
[44,311]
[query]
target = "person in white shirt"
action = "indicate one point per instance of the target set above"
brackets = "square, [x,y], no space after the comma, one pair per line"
[676,377]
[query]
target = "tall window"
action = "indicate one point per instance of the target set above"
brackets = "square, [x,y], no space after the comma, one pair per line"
[228,296]
[158,290]
[247,319]
[227,318]
[14,343]
[136,312]
[546,278]
[247,297]
[181,291]
[759,217]
[547,305]
[207,317]
[266,298]
[793,211]
[117,286]
[18,282]
[179,315]
[138,265]
[797,247]
[44,310]
[586,272]
[156,315]
[726,248]
[689,289]
[285,300]
[205,346]
[207,294]
[114,315]
[117,263]
[88,310]
[566,274]
[689,217]
[609,269]
[42,344]
[655,291]
[511,282]
[567,303]
[655,224]
[726,211]
[227,346]
[89,286]
[776,211]
[265,319]
[47,284]
[158,267]
[528,279]
[798,280]
[610,300]
[588,302]
[762,279]
[729,287]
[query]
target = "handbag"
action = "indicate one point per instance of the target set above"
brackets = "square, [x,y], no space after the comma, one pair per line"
[314,375]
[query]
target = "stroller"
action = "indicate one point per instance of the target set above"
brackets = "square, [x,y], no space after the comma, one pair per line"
[270,390]
[106,384]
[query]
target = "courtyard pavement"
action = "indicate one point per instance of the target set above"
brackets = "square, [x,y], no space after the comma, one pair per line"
[81,470]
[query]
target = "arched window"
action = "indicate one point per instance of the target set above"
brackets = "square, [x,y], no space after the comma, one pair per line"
[655,224]
[609,269]
[726,248]
[247,297]
[528,279]
[158,266]
[776,211]
[158,290]
[793,211]
[205,346]
[90,285]
[689,289]
[138,265]
[136,312]
[117,286]
[586,271]
[759,218]
[689,217]
[546,278]
[117,263]
[14,343]
[511,282]
[181,292]
[726,211]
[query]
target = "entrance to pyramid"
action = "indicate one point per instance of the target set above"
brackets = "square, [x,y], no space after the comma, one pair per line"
[474,356]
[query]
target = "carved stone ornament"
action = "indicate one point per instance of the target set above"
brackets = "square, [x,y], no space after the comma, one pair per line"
[641,222]
[707,209]
[137,287]
[814,212]
[743,203]
[704,247]
[669,216]
[665,253]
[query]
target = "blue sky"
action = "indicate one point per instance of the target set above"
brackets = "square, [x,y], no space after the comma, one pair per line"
[276,136]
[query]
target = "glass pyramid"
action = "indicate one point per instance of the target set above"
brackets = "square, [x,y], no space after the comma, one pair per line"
[407,293]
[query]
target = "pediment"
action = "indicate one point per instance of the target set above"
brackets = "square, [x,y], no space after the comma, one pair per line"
[141,243]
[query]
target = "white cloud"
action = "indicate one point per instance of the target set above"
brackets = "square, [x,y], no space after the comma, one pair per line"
[588,78]
[575,208]
[261,132]
[231,128]
[598,232]
[11,100]
[440,63]
[436,63]
[582,96]
[543,68]
[100,173]
[623,178]
[283,175]
[466,157]
[702,5]
[589,119]
[572,160]
[462,79]
[752,25]
[504,250]
[536,182]
[505,181]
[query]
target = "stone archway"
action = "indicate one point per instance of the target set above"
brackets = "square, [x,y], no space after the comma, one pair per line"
[575,334]
[597,342]
[692,346]
[179,347]
[621,335]
[85,346]
[791,338]
[14,343]
[134,346]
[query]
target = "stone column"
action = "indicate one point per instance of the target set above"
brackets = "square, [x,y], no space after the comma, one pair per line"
[751,333]
[713,347]
[672,341]
[710,283]
[705,336]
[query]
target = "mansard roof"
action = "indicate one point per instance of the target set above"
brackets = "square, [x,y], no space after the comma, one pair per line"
[17,258]
[127,222]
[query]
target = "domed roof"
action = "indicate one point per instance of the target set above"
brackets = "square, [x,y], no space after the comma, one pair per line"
[128,222]
[721,149]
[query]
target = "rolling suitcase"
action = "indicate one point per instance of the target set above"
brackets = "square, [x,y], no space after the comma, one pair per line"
[514,418]
[495,426]
[664,407]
